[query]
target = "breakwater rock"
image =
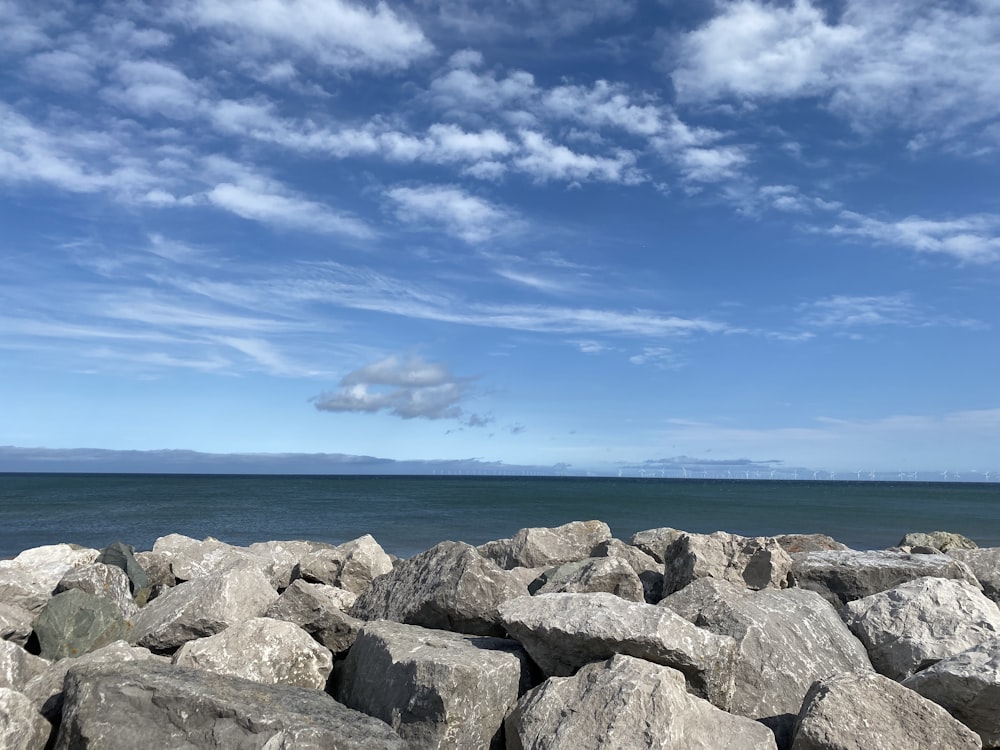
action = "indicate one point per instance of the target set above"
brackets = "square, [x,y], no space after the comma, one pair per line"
[554,638]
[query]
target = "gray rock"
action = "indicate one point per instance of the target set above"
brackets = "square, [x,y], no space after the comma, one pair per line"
[351,566]
[609,574]
[842,577]
[75,622]
[649,570]
[967,685]
[786,640]
[985,566]
[795,543]
[527,576]
[871,712]
[150,705]
[562,632]
[547,547]
[263,650]
[437,689]
[122,556]
[15,623]
[108,581]
[193,558]
[46,689]
[318,609]
[202,607]
[908,628]
[944,541]
[626,702]
[755,562]
[28,580]
[21,726]
[158,570]
[17,666]
[284,556]
[448,587]
[654,542]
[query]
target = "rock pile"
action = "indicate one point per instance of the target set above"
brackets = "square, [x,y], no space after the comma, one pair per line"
[555,638]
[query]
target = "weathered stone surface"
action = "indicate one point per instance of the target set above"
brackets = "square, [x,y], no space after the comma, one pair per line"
[448,587]
[626,702]
[283,556]
[17,666]
[21,726]
[654,542]
[967,685]
[319,610]
[871,712]
[547,547]
[794,543]
[15,623]
[527,576]
[122,555]
[786,640]
[193,558]
[610,574]
[202,607]
[755,562]
[939,540]
[167,707]
[107,581]
[46,689]
[75,622]
[562,632]
[29,579]
[985,566]
[645,566]
[908,628]
[351,566]
[437,689]
[158,570]
[842,577]
[263,650]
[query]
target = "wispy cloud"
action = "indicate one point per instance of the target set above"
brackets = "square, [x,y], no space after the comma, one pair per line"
[462,214]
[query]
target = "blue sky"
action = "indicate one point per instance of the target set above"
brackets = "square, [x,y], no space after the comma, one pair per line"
[589,235]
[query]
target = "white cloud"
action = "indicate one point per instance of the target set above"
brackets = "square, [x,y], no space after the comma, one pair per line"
[64,69]
[538,19]
[848,311]
[717,164]
[605,105]
[151,87]
[545,160]
[970,239]
[463,215]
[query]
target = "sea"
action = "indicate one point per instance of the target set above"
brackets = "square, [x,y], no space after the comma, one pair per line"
[408,514]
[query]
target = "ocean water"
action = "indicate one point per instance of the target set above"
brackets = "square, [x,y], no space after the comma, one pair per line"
[410,514]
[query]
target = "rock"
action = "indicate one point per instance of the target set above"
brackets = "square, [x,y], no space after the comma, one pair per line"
[21,726]
[755,562]
[15,623]
[46,689]
[626,702]
[351,566]
[17,666]
[107,581]
[157,566]
[944,541]
[985,566]
[645,566]
[122,555]
[151,705]
[908,628]
[284,556]
[967,685]
[191,558]
[610,574]
[437,689]
[262,650]
[448,587]
[202,607]
[547,547]
[318,610]
[654,542]
[794,543]
[871,712]
[29,579]
[75,622]
[527,576]
[786,640]
[562,632]
[842,577]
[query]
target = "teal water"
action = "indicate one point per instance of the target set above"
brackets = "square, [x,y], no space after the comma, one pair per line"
[410,514]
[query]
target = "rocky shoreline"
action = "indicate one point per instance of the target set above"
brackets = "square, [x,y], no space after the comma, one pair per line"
[557,638]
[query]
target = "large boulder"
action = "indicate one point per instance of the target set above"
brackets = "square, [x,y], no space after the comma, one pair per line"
[28,580]
[967,685]
[610,574]
[99,579]
[944,541]
[17,666]
[626,702]
[843,576]
[754,562]
[158,569]
[437,689]
[654,542]
[319,610]
[15,623]
[649,570]
[795,543]
[908,628]
[202,607]
[547,547]
[562,632]
[152,705]
[262,650]
[21,726]
[985,566]
[194,558]
[351,566]
[448,587]
[786,640]
[870,712]
[75,622]
[284,556]
[121,555]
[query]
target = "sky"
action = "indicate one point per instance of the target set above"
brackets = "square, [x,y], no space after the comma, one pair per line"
[660,238]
